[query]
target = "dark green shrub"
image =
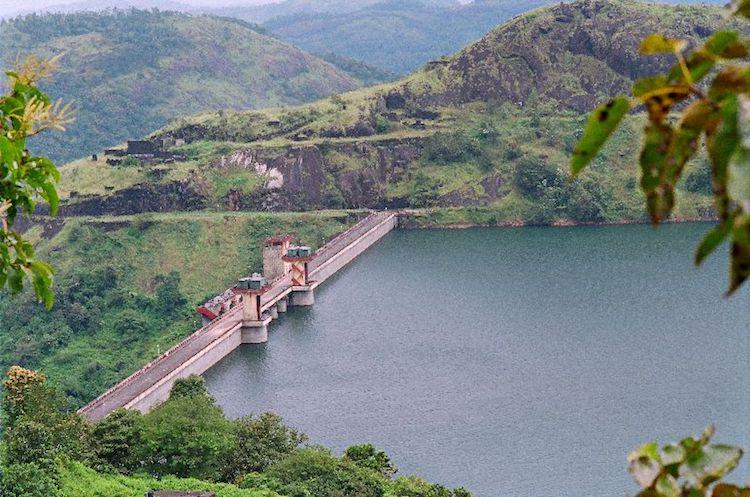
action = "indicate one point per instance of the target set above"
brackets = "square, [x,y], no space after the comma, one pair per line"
[29,480]
[260,442]
[324,475]
[535,175]
[367,456]
[448,148]
[699,180]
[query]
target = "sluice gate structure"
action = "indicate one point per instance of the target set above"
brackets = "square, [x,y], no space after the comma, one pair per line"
[242,315]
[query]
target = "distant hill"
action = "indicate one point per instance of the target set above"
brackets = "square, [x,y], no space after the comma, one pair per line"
[491,127]
[399,35]
[130,72]
[262,13]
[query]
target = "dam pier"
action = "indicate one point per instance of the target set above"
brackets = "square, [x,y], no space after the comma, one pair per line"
[242,314]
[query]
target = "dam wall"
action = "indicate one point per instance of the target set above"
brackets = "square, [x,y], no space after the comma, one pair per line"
[200,351]
[322,272]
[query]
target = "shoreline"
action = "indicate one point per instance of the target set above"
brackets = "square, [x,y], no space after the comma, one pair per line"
[408,220]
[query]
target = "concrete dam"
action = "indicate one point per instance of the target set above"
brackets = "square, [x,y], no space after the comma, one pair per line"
[242,314]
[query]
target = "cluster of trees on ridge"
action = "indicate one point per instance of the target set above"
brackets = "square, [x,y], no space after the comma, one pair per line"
[185,437]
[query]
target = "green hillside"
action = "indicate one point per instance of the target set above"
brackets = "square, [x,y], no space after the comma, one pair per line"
[491,127]
[127,288]
[130,72]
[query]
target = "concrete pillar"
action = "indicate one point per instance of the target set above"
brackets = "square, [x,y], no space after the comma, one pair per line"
[281,305]
[274,311]
[255,334]
[302,297]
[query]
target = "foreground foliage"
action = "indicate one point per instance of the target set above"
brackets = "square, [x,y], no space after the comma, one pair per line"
[684,107]
[24,178]
[692,468]
[185,443]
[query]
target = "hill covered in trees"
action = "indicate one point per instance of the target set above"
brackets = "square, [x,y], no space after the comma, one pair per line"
[491,127]
[130,72]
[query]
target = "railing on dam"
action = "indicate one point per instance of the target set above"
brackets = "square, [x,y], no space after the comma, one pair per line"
[168,366]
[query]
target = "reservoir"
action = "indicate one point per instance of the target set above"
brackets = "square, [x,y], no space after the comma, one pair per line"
[514,362]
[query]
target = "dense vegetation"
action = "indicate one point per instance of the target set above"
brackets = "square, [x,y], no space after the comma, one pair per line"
[127,289]
[183,443]
[130,72]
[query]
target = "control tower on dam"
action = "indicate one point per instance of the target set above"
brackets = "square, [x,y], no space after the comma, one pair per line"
[241,315]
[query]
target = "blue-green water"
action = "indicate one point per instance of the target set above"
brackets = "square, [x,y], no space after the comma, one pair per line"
[516,362]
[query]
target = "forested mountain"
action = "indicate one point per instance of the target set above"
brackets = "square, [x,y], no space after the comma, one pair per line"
[130,72]
[491,126]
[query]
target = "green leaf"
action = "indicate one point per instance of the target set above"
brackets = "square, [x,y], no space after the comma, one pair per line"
[712,241]
[649,84]
[602,123]
[739,269]
[645,464]
[722,141]
[710,464]
[666,486]
[738,175]
[659,44]
[9,152]
[653,162]
[15,280]
[672,454]
[727,45]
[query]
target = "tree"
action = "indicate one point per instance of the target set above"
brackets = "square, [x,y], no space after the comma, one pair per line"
[38,426]
[684,108]
[187,436]
[260,442]
[117,440]
[24,112]
[368,456]
[192,386]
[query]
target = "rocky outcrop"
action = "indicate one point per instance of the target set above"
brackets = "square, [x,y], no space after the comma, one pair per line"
[175,196]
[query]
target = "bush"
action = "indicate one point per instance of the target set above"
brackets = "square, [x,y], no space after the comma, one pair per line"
[117,440]
[260,442]
[319,473]
[192,386]
[534,175]
[699,180]
[187,437]
[424,191]
[29,480]
[367,456]
[448,148]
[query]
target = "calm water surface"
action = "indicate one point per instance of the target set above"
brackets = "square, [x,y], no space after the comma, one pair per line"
[515,362]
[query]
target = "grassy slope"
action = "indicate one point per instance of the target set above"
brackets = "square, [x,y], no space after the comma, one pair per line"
[129,72]
[108,319]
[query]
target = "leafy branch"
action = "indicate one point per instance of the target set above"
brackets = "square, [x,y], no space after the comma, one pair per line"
[24,178]
[685,111]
